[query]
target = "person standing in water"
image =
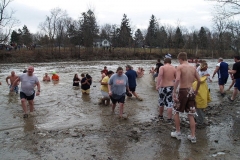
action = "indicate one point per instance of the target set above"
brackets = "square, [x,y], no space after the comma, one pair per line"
[117,86]
[12,78]
[28,82]
[185,99]
[165,82]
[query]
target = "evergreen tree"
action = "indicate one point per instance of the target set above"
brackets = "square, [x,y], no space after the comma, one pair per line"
[89,28]
[115,36]
[162,37]
[15,37]
[203,41]
[151,35]
[178,39]
[195,40]
[139,39]
[125,34]
[26,36]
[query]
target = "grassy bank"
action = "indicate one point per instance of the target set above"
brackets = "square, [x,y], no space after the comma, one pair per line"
[88,54]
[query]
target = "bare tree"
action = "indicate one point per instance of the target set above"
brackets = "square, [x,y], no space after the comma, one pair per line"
[7,20]
[231,7]
[51,25]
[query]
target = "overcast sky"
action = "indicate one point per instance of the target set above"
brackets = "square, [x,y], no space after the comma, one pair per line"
[190,13]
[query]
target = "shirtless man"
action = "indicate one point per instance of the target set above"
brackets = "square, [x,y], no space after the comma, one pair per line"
[27,92]
[165,83]
[185,100]
[12,78]
[46,78]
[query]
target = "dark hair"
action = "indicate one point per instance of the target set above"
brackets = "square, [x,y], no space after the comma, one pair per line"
[110,72]
[82,75]
[75,76]
[119,68]
[167,60]
[88,76]
[237,57]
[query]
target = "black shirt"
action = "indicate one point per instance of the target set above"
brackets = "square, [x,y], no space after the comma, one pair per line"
[158,65]
[85,86]
[76,79]
[236,67]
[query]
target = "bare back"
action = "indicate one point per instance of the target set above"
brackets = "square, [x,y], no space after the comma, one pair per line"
[167,74]
[186,74]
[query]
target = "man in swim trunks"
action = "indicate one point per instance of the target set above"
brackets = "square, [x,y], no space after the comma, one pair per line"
[12,78]
[185,100]
[27,92]
[222,71]
[165,83]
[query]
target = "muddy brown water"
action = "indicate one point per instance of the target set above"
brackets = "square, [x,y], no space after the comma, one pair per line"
[69,125]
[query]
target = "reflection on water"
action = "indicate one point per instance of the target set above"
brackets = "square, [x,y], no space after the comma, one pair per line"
[29,124]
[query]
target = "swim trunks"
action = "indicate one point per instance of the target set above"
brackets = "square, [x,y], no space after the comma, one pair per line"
[15,88]
[186,99]
[165,96]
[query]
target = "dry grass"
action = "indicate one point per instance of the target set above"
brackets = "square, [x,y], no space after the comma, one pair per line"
[73,53]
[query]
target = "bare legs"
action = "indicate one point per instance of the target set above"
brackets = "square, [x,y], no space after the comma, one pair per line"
[191,120]
[234,94]
[192,124]
[24,105]
[169,112]
[221,87]
[121,107]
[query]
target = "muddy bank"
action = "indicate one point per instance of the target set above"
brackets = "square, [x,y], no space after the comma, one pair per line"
[127,140]
[69,125]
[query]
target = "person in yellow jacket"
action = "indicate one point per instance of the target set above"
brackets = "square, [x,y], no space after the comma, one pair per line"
[203,97]
[104,89]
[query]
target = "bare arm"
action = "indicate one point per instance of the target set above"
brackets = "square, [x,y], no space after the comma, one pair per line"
[104,83]
[177,81]
[109,90]
[232,71]
[38,88]
[159,78]
[198,82]
[15,83]
[7,80]
[215,71]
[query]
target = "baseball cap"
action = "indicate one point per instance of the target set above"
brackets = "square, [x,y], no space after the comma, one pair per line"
[168,56]
[128,66]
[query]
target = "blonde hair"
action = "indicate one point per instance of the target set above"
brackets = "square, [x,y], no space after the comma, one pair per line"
[182,56]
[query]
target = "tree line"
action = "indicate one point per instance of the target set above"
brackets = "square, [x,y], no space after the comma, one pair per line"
[60,30]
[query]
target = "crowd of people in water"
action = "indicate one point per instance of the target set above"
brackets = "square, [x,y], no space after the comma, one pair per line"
[182,89]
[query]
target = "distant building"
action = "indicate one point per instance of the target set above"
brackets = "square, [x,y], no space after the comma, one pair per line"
[100,43]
